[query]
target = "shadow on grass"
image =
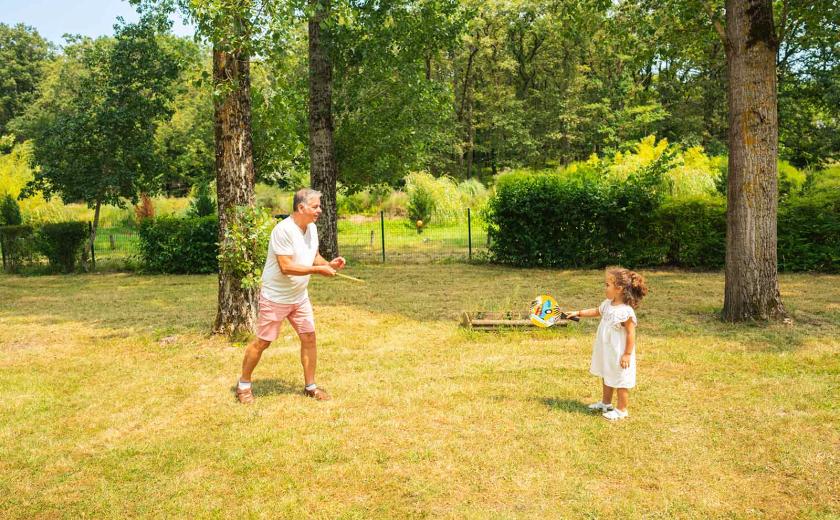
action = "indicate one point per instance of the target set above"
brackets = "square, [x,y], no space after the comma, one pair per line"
[565,405]
[266,387]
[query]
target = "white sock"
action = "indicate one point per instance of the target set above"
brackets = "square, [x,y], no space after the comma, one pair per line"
[310,387]
[244,385]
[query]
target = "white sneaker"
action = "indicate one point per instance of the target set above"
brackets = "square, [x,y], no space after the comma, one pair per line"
[615,415]
[600,407]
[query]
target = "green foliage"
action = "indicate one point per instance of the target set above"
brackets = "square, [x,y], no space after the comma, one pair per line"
[184,141]
[791,180]
[369,201]
[693,231]
[823,181]
[16,245]
[179,245]
[551,220]
[242,253]
[272,198]
[431,198]
[202,203]
[94,124]
[23,53]
[809,233]
[61,243]
[9,211]
[15,171]
[421,206]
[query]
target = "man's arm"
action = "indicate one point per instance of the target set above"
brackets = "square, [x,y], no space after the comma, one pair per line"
[336,263]
[288,267]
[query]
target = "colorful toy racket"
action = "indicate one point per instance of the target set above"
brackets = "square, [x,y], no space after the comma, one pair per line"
[545,312]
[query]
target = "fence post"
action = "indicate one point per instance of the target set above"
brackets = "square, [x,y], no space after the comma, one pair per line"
[382,231]
[92,248]
[469,235]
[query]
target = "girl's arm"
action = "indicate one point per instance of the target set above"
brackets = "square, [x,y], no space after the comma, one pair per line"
[585,313]
[630,344]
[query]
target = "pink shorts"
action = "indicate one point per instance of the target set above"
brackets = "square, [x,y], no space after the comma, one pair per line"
[271,316]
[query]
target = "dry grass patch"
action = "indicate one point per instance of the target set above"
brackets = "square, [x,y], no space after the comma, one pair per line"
[114,402]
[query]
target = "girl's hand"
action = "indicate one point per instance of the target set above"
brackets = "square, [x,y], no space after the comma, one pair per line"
[625,361]
[572,314]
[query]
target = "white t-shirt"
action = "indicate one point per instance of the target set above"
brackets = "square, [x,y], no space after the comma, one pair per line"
[288,240]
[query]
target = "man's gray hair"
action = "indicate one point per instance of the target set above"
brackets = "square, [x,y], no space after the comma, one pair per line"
[304,196]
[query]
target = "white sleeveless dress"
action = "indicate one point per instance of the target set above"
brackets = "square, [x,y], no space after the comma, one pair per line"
[610,341]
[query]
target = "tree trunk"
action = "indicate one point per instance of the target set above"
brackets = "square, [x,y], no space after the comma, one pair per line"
[752,284]
[323,171]
[237,307]
[88,265]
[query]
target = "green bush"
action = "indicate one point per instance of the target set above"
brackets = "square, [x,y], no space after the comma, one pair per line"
[422,190]
[550,220]
[246,240]
[823,181]
[693,231]
[202,203]
[809,233]
[179,245]
[62,243]
[10,212]
[16,245]
[577,221]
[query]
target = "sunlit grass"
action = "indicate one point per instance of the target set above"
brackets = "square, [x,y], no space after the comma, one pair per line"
[115,402]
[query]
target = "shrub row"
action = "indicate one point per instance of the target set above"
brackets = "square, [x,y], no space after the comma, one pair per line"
[547,220]
[180,245]
[61,242]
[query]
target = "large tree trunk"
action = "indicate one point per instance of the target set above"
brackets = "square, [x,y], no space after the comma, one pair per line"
[323,171]
[752,284]
[234,179]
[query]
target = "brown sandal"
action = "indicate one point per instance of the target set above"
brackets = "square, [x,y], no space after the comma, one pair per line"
[244,395]
[318,394]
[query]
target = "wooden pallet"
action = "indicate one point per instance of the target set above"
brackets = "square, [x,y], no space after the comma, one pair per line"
[494,320]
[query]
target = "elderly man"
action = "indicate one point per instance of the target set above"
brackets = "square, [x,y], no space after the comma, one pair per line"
[292,257]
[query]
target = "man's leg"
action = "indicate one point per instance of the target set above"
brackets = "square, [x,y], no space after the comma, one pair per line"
[309,359]
[252,356]
[308,356]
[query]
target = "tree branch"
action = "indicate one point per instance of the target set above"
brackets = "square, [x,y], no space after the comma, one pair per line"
[783,22]
[721,32]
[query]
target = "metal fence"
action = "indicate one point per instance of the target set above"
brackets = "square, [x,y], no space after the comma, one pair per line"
[383,240]
[362,239]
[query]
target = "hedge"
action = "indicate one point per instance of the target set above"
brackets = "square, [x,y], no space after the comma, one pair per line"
[62,243]
[180,245]
[16,246]
[548,220]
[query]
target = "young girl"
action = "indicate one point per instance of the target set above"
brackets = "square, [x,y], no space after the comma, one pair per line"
[614,352]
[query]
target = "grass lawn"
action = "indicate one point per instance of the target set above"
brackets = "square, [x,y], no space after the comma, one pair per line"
[115,402]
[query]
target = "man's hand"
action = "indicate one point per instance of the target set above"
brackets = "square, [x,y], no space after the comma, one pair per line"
[325,270]
[338,263]
[625,361]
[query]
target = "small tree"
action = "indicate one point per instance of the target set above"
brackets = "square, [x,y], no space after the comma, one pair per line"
[10,212]
[202,203]
[94,124]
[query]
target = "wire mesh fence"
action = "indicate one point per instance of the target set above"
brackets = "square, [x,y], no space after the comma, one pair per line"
[361,239]
[381,239]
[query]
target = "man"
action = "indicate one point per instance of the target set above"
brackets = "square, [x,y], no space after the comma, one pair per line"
[292,257]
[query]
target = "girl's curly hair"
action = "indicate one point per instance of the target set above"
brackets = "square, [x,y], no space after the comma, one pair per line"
[632,284]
